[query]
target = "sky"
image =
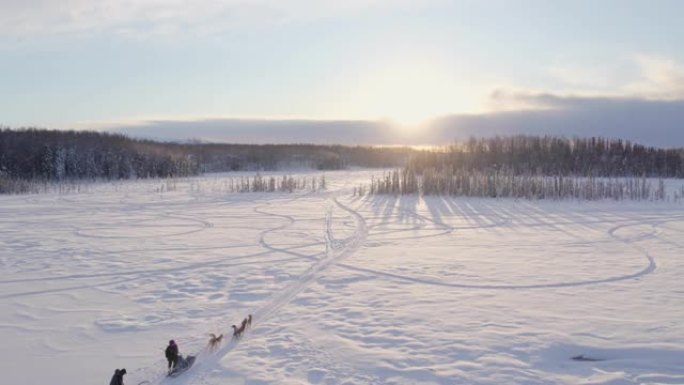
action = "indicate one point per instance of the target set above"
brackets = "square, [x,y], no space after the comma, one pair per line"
[353,71]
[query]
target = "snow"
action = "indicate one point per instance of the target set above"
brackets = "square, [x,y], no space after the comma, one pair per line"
[343,289]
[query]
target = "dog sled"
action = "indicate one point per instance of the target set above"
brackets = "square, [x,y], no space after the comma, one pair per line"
[183,364]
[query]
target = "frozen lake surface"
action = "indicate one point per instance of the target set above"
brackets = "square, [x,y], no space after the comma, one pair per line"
[344,290]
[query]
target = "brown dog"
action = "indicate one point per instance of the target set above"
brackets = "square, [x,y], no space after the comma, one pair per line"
[215,341]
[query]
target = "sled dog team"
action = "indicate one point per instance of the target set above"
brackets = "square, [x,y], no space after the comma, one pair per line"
[176,361]
[246,323]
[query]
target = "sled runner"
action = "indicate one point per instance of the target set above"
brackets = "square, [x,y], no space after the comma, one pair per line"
[183,365]
[582,357]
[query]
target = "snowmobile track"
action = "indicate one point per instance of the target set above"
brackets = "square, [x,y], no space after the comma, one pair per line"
[336,251]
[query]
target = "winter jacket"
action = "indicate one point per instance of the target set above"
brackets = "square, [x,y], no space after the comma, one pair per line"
[171,351]
[117,378]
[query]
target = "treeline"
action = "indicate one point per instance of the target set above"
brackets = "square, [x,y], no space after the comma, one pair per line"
[506,185]
[534,167]
[521,155]
[30,156]
[33,154]
[286,183]
[216,157]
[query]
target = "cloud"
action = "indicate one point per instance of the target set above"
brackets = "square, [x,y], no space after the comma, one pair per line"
[25,19]
[600,76]
[646,107]
[652,122]
[262,131]
[37,18]
[662,79]
[642,76]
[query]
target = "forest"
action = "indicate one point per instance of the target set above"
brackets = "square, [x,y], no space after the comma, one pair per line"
[549,155]
[38,155]
[516,166]
[534,167]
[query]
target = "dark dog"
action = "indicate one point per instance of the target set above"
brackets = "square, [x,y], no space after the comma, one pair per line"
[237,331]
[215,340]
[246,323]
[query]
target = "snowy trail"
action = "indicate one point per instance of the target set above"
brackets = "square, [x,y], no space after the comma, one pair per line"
[335,251]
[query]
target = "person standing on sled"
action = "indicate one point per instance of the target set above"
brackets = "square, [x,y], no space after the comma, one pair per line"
[117,378]
[172,354]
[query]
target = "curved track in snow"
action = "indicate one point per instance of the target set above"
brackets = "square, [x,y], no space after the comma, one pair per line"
[336,251]
[649,266]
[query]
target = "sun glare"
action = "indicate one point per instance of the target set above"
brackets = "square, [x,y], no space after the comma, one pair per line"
[411,94]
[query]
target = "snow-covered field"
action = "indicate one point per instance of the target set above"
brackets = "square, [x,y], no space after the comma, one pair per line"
[344,290]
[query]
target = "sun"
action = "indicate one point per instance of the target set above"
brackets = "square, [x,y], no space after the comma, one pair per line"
[411,93]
